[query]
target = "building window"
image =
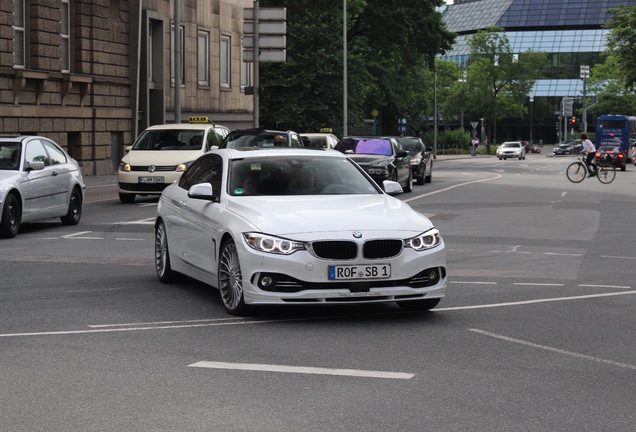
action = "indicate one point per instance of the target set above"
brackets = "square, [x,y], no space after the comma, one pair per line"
[172,51]
[18,33]
[225,61]
[246,72]
[66,36]
[203,58]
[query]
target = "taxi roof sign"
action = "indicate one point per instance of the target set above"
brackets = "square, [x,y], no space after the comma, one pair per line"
[198,119]
[326,130]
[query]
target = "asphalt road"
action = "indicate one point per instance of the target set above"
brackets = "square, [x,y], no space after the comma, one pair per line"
[536,332]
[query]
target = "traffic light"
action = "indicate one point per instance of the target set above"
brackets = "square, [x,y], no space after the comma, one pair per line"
[573,121]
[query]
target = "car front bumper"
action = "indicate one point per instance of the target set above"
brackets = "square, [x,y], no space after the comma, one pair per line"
[301,278]
[145,183]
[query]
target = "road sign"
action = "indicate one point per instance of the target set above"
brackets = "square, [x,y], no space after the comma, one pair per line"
[266,27]
[265,42]
[265,14]
[272,56]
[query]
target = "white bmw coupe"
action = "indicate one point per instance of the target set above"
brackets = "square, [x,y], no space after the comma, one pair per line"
[297,227]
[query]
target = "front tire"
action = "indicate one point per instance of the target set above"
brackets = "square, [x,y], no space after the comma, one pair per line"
[419,305]
[10,217]
[231,280]
[162,255]
[74,213]
[576,172]
[409,183]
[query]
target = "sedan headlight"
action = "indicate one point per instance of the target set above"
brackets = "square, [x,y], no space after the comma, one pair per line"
[123,166]
[416,160]
[424,241]
[271,244]
[379,171]
[183,166]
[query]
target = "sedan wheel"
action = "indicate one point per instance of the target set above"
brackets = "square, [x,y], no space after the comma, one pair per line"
[162,257]
[10,217]
[74,213]
[231,280]
[409,183]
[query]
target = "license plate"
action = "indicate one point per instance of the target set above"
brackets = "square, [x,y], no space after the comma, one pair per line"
[151,179]
[353,272]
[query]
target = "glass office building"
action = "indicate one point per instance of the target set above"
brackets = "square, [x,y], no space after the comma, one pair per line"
[570,32]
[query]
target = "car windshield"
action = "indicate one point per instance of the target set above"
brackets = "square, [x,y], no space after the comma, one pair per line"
[255,139]
[517,145]
[9,156]
[294,175]
[170,139]
[374,146]
[411,145]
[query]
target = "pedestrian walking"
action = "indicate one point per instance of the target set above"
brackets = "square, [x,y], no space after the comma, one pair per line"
[473,146]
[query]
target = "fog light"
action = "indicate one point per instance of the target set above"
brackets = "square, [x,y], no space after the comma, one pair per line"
[433,276]
[266,281]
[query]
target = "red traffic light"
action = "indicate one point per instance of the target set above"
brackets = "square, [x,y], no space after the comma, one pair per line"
[573,120]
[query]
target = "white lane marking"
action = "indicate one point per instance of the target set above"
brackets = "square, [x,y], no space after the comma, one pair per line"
[147,221]
[605,286]
[473,283]
[219,324]
[526,302]
[564,193]
[76,236]
[538,284]
[303,370]
[128,239]
[552,349]
[562,254]
[210,320]
[148,205]
[618,257]
[452,187]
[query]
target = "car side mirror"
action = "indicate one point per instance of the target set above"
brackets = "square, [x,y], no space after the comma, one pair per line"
[127,149]
[202,191]
[391,187]
[402,154]
[34,166]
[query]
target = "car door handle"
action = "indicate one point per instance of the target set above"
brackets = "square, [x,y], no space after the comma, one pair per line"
[183,204]
[54,173]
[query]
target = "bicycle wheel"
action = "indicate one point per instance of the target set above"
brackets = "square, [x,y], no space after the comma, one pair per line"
[576,172]
[606,173]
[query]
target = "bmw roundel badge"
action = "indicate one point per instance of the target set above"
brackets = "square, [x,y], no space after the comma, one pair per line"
[357,234]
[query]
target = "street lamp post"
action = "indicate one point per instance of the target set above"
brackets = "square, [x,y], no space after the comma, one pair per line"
[531,102]
[344,68]
[585,74]
[463,77]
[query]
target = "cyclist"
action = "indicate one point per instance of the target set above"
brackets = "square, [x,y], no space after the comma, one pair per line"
[590,149]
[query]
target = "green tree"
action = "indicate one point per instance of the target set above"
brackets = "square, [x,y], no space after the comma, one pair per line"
[607,86]
[621,42]
[499,81]
[390,46]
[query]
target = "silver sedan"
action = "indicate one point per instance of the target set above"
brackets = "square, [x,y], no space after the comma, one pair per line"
[38,180]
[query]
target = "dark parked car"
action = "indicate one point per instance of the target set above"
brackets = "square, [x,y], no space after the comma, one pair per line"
[568,147]
[421,160]
[613,155]
[383,158]
[262,138]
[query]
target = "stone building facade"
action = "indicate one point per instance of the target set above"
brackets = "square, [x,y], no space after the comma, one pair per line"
[91,74]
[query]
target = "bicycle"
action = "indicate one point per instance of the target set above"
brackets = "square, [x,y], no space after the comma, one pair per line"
[604,171]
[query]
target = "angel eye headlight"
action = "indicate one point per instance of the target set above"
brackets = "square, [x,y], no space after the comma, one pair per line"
[271,244]
[424,241]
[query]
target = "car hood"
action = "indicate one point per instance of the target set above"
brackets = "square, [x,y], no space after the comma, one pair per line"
[371,160]
[160,157]
[286,216]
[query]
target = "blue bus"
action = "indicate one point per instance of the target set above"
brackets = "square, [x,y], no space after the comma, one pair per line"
[615,131]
